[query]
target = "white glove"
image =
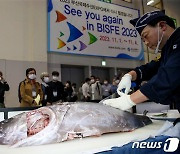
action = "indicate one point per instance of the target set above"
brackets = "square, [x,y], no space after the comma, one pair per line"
[124,102]
[125,83]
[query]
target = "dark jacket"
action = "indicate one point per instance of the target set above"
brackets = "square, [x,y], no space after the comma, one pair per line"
[68,93]
[164,74]
[3,87]
[47,95]
[56,87]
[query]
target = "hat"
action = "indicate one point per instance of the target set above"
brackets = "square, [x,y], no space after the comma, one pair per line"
[142,22]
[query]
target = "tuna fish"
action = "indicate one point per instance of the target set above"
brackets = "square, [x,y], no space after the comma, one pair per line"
[60,123]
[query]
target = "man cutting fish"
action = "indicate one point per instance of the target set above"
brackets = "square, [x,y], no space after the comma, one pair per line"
[158,33]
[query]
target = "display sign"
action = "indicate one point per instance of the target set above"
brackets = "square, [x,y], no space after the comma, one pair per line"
[93,28]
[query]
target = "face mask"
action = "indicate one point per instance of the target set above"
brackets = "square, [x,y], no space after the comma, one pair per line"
[67,84]
[117,81]
[32,76]
[55,78]
[92,81]
[46,79]
[105,82]
[159,41]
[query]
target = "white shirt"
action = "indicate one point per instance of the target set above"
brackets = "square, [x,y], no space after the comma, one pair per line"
[85,89]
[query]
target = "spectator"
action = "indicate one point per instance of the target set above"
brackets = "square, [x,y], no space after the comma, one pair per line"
[114,86]
[106,89]
[68,91]
[3,87]
[95,89]
[45,88]
[80,93]
[75,93]
[57,88]
[85,90]
[30,90]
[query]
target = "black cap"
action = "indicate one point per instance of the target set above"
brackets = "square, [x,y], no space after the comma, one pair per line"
[142,22]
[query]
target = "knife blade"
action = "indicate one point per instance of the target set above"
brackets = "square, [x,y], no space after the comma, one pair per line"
[114,95]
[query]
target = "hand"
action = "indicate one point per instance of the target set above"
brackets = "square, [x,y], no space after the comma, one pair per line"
[2,80]
[125,83]
[34,103]
[124,102]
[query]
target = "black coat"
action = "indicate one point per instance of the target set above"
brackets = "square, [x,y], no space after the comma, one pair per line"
[47,95]
[59,88]
[3,87]
[164,74]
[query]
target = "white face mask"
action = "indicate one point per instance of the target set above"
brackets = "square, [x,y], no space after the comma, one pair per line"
[117,81]
[55,78]
[46,79]
[159,40]
[32,76]
[105,82]
[67,84]
[92,81]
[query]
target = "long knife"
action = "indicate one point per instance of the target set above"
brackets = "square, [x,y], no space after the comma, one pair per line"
[114,95]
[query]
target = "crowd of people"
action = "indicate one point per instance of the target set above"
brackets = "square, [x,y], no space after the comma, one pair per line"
[51,90]
[94,90]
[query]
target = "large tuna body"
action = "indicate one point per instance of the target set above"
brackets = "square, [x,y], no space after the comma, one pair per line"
[64,122]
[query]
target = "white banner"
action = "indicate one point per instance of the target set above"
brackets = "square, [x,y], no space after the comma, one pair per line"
[91,27]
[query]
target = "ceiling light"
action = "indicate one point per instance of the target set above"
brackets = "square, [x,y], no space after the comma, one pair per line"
[103,63]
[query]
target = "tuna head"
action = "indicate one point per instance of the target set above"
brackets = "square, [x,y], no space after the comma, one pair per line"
[14,129]
[36,127]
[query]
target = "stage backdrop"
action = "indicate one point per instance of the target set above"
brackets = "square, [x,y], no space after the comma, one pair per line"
[92,27]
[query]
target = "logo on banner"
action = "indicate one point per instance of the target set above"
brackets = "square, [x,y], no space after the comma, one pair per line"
[170,145]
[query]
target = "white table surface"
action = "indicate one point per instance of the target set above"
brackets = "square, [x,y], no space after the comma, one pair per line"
[89,144]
